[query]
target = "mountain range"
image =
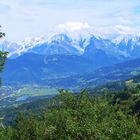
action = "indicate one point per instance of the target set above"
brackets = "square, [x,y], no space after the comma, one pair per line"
[118,46]
[58,59]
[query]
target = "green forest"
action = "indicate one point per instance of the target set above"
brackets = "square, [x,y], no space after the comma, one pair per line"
[84,115]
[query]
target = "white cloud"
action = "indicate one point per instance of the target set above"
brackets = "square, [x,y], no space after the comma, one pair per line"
[21,18]
[118,29]
[124,29]
[74,26]
[85,28]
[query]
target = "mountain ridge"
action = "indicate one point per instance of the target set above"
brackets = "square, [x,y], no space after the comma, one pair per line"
[121,45]
[65,71]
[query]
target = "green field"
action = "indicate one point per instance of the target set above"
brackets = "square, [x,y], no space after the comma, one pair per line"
[11,96]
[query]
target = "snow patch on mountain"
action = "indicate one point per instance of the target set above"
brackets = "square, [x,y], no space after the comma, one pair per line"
[75,44]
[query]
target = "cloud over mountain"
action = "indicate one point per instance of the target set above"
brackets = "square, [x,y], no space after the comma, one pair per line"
[74,26]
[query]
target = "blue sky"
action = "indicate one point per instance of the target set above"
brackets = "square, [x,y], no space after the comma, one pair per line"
[24,18]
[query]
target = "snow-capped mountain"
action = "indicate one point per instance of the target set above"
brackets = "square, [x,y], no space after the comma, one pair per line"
[129,44]
[17,49]
[57,44]
[121,46]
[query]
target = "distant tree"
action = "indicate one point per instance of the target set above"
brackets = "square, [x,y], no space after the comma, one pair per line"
[3,55]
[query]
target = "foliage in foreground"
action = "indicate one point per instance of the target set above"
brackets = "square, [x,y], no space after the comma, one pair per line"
[3,55]
[72,117]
